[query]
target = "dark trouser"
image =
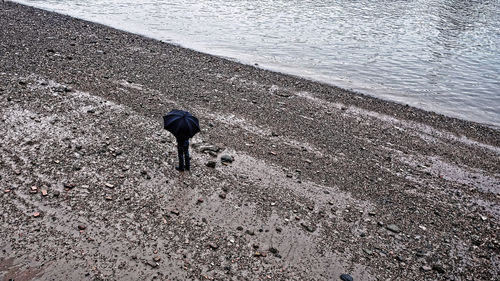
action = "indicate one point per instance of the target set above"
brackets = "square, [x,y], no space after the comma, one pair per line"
[183,152]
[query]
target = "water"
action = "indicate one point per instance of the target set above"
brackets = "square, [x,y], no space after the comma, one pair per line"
[439,55]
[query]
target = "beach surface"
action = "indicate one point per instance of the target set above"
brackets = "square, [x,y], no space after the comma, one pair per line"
[290,179]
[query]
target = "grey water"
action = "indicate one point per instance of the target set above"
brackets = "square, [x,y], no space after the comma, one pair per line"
[439,55]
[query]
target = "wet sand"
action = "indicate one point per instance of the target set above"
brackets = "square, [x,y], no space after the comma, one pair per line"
[324,181]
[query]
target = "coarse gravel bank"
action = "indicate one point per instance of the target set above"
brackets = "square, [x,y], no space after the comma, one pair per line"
[323,181]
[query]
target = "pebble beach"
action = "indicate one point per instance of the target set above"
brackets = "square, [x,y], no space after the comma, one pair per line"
[290,179]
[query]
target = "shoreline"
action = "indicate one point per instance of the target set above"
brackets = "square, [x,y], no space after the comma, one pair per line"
[324,181]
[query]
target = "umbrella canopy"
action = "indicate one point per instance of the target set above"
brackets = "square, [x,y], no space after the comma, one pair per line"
[181,124]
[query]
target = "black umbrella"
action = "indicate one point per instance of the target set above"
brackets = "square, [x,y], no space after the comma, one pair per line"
[181,124]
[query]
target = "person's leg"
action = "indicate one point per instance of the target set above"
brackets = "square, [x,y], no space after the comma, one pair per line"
[186,157]
[180,154]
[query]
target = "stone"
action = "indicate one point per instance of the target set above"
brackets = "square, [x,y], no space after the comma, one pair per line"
[200,200]
[394,228]
[273,250]
[222,195]
[36,214]
[153,264]
[250,232]
[57,193]
[368,252]
[81,227]
[209,148]
[108,197]
[438,268]
[425,268]
[69,185]
[211,164]
[44,192]
[156,259]
[213,246]
[346,277]
[308,227]
[108,185]
[175,212]
[227,158]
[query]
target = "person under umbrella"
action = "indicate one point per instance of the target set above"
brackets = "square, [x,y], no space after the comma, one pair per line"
[183,125]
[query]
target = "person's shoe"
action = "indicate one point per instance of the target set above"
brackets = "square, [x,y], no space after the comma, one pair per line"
[179,168]
[187,168]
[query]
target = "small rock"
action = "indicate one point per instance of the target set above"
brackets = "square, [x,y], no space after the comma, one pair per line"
[425,268]
[175,212]
[69,185]
[420,253]
[156,259]
[34,188]
[239,228]
[108,185]
[153,264]
[394,228]
[227,158]
[438,268]
[200,200]
[250,232]
[57,193]
[108,197]
[401,259]
[36,214]
[213,246]
[211,164]
[273,250]
[81,227]
[222,195]
[346,277]
[209,148]
[308,227]
[44,192]
[368,252]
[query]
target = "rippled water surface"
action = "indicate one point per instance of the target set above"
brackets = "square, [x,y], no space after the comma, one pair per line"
[440,55]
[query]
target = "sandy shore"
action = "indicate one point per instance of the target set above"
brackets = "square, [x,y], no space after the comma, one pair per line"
[324,182]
